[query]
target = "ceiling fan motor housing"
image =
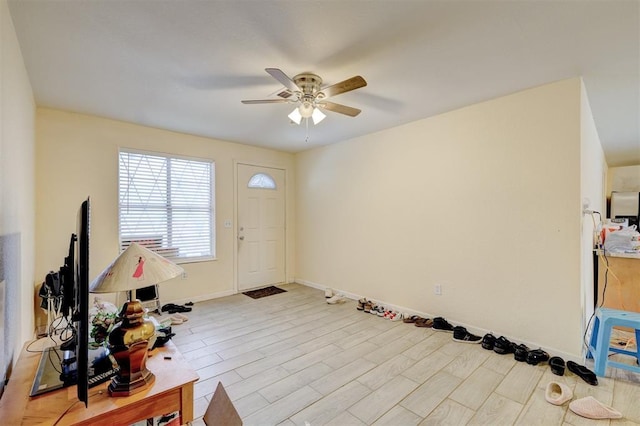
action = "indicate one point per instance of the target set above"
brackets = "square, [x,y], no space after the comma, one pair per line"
[309,84]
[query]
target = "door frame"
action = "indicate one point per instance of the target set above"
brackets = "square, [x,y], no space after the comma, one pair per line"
[236,265]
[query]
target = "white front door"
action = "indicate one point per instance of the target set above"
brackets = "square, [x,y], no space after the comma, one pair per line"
[260,226]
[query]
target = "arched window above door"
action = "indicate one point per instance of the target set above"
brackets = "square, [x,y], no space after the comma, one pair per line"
[262,181]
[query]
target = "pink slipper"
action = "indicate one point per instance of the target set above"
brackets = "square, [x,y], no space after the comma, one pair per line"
[558,393]
[591,408]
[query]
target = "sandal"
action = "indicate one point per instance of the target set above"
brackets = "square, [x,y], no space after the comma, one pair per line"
[424,322]
[584,373]
[557,365]
[412,319]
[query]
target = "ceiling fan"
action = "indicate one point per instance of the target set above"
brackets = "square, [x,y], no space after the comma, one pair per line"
[307,92]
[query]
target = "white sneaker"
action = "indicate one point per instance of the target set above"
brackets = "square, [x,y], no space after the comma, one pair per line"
[338,298]
[328,293]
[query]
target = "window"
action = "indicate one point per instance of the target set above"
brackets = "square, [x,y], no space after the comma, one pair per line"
[262,180]
[167,204]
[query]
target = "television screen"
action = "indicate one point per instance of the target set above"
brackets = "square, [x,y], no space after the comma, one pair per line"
[82,301]
[73,362]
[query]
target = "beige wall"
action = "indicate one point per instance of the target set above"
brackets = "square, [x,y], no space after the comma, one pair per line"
[485,201]
[623,179]
[17,145]
[593,172]
[77,156]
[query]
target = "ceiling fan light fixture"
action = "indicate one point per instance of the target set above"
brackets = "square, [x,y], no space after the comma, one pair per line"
[317,116]
[306,109]
[295,116]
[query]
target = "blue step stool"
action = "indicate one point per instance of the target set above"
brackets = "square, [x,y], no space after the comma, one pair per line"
[599,349]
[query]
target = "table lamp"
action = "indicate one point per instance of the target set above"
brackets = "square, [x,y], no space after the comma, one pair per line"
[134,268]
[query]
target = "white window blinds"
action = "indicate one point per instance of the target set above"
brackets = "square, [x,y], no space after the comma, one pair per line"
[167,205]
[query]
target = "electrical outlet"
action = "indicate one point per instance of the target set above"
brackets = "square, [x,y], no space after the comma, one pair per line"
[184,275]
[438,289]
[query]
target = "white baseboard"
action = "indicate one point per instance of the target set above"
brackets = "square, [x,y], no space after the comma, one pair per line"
[202,298]
[473,329]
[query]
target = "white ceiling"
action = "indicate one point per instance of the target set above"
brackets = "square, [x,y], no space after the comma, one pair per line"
[185,65]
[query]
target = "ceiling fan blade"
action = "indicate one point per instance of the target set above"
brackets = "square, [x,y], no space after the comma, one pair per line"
[266,101]
[342,109]
[283,78]
[344,86]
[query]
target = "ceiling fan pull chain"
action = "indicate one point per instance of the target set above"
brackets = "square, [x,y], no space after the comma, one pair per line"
[306,122]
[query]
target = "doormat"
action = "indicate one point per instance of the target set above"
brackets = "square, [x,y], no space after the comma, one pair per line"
[264,292]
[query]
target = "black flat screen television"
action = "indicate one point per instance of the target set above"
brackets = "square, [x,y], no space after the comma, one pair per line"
[73,363]
[81,315]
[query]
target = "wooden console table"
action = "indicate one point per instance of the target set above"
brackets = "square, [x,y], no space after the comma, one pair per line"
[172,391]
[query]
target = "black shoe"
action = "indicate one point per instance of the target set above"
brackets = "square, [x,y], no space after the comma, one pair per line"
[584,373]
[557,365]
[488,341]
[502,346]
[177,308]
[460,334]
[169,306]
[520,352]
[537,356]
[441,324]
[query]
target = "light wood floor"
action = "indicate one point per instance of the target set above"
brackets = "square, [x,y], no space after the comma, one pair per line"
[293,359]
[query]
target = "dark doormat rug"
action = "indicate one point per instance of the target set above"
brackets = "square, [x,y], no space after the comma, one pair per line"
[264,292]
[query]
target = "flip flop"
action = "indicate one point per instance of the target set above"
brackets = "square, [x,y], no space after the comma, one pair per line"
[424,322]
[583,372]
[557,365]
[412,319]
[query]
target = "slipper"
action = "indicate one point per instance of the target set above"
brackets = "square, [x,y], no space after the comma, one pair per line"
[591,408]
[184,318]
[189,304]
[583,372]
[176,321]
[424,322]
[412,319]
[557,393]
[557,365]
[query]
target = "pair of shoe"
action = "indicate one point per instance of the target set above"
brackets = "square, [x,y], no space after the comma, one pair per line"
[172,308]
[423,322]
[411,319]
[392,315]
[460,334]
[178,318]
[558,393]
[337,298]
[501,345]
[361,303]
[441,324]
